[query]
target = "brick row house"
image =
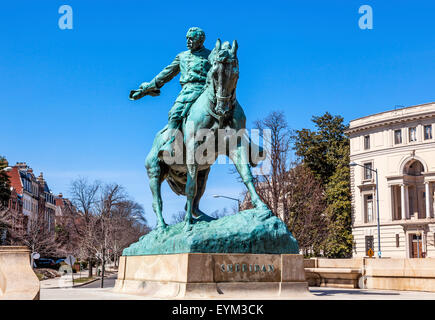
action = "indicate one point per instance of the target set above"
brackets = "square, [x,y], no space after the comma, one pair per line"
[31,199]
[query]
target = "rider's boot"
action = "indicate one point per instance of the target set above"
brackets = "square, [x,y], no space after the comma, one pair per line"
[168,148]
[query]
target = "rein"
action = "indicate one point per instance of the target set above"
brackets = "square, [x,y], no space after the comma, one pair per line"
[214,97]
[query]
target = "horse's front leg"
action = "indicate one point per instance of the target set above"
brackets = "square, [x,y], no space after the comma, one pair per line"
[155,181]
[191,186]
[240,158]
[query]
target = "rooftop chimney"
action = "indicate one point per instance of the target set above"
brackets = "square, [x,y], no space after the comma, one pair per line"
[21,165]
[41,178]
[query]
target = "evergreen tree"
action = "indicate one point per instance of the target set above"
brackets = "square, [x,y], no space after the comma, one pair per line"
[5,191]
[326,152]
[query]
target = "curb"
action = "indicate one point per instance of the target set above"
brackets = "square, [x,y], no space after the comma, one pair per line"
[85,283]
[76,286]
[90,281]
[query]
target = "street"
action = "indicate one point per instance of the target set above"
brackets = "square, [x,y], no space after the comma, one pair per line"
[109,282]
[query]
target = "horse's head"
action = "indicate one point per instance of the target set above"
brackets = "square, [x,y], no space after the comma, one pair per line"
[224,75]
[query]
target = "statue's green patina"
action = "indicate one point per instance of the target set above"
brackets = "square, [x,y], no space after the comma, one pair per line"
[207,102]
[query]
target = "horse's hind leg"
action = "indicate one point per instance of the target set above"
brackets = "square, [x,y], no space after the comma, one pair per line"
[201,184]
[155,176]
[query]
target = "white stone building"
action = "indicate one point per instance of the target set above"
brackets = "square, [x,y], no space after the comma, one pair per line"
[400,144]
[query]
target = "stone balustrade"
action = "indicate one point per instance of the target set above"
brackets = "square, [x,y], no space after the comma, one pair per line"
[17,279]
[340,273]
[371,273]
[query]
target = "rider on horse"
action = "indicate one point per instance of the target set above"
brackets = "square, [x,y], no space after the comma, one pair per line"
[193,65]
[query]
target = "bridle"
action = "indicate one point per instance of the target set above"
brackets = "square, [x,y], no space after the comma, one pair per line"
[223,99]
[215,97]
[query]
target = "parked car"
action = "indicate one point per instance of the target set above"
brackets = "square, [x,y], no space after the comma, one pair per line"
[45,263]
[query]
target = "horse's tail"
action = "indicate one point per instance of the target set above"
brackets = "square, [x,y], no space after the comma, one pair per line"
[256,153]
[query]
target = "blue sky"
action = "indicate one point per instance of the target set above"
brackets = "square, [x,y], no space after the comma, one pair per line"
[64,93]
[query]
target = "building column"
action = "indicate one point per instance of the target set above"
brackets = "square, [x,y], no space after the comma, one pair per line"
[424,243]
[427,196]
[403,195]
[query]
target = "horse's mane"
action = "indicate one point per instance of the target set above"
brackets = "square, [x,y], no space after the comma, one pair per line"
[222,53]
[211,60]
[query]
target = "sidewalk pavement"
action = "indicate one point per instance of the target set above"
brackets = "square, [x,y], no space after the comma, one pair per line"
[65,281]
[317,293]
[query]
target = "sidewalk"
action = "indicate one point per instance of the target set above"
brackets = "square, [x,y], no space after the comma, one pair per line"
[317,293]
[66,280]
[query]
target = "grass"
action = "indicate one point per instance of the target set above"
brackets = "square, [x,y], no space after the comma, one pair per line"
[40,276]
[81,280]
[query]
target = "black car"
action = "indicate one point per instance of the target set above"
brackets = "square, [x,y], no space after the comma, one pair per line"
[45,263]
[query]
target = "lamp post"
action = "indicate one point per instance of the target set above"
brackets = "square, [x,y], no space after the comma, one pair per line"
[353,164]
[238,201]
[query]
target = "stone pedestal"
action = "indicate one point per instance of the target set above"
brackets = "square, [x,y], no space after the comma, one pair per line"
[17,279]
[213,275]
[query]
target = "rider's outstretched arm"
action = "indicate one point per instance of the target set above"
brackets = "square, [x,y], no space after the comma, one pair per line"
[165,75]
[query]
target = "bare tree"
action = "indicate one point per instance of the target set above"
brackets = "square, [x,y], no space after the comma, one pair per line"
[112,197]
[177,217]
[222,213]
[273,186]
[127,224]
[37,237]
[69,231]
[84,196]
[107,221]
[305,202]
[290,189]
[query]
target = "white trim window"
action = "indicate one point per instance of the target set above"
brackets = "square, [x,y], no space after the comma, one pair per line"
[369,212]
[368,173]
[427,132]
[412,134]
[367,142]
[398,136]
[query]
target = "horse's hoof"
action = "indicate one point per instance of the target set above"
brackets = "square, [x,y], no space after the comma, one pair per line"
[204,217]
[264,211]
[187,227]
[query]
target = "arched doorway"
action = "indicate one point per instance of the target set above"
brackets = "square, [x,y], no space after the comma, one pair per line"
[413,168]
[414,179]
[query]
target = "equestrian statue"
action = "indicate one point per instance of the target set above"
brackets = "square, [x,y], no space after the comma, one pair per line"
[207,101]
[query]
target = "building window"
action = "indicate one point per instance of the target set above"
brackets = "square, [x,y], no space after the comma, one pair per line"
[398,136]
[397,240]
[428,132]
[368,173]
[368,206]
[366,142]
[412,134]
[369,244]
